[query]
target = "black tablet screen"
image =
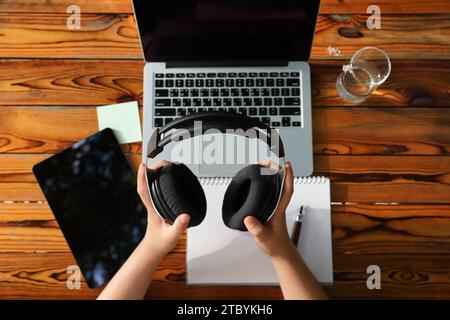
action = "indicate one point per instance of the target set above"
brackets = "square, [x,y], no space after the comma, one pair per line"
[91,190]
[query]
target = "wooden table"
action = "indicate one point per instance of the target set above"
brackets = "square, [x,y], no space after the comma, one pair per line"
[388,158]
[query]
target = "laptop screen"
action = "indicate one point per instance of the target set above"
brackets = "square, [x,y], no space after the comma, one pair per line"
[226,30]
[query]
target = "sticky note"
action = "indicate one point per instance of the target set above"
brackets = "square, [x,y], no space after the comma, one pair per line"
[123,119]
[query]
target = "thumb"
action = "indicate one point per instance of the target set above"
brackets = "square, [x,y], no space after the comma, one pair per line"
[181,223]
[254,226]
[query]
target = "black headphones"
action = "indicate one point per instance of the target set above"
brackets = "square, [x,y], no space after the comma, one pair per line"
[174,189]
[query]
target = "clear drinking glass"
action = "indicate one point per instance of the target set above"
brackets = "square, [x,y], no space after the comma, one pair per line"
[369,68]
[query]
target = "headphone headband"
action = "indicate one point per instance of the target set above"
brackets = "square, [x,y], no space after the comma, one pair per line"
[219,120]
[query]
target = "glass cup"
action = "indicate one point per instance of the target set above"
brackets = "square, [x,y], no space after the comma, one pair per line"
[369,68]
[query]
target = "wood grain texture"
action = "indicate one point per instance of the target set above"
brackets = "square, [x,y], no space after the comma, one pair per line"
[357,229]
[44,276]
[124,6]
[343,131]
[47,36]
[401,37]
[84,82]
[354,178]
[114,36]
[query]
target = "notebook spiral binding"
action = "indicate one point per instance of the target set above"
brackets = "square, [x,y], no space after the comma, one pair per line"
[220,181]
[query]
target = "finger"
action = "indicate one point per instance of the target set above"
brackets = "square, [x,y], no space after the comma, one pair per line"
[160,163]
[269,164]
[288,187]
[142,186]
[253,225]
[180,224]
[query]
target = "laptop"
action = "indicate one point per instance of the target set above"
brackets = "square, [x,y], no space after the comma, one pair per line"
[245,56]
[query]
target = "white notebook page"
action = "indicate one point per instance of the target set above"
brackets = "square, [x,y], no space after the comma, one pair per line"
[219,255]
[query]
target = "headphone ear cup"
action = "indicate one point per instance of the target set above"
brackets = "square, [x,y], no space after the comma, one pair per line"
[181,192]
[250,194]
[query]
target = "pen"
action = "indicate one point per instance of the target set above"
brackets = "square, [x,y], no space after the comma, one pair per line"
[297,227]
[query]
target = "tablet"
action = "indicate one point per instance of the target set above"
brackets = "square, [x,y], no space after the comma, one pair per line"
[91,189]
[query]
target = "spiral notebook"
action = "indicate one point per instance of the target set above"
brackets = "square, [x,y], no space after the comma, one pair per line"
[219,255]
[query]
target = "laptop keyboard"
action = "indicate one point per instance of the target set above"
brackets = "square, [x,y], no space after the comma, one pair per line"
[272,97]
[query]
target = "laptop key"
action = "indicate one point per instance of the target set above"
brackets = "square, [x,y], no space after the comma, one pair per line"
[245,92]
[161,93]
[278,101]
[217,102]
[162,112]
[260,82]
[243,111]
[274,74]
[179,83]
[170,75]
[266,120]
[285,92]
[237,102]
[159,122]
[211,75]
[159,83]
[247,102]
[174,93]
[162,102]
[181,112]
[295,92]
[169,83]
[273,111]
[159,75]
[197,102]
[257,102]
[240,82]
[291,101]
[189,83]
[275,92]
[191,75]
[255,92]
[280,82]
[194,92]
[187,102]
[227,102]
[265,92]
[293,82]
[199,83]
[268,102]
[253,111]
[214,92]
[201,75]
[176,102]
[263,111]
[297,124]
[276,124]
[204,93]
[250,82]
[295,74]
[209,83]
[234,92]
[289,111]
[207,102]
[286,121]
[225,92]
[168,120]
[220,83]
[180,75]
[184,92]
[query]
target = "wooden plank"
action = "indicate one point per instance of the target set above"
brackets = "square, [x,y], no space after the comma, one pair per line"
[114,36]
[44,276]
[124,6]
[343,131]
[411,83]
[406,179]
[391,229]
[47,36]
[357,229]
[31,227]
[402,37]
[73,82]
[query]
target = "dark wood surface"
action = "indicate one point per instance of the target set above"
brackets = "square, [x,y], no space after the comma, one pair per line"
[388,158]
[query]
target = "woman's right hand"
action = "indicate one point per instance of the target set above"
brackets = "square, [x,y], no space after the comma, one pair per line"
[273,237]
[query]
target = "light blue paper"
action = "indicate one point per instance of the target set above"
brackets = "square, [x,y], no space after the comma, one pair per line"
[123,119]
